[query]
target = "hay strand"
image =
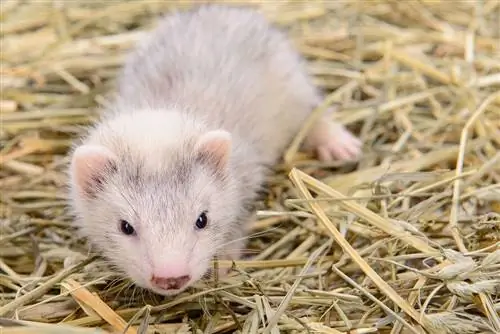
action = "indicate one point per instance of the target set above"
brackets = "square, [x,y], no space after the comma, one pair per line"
[406,240]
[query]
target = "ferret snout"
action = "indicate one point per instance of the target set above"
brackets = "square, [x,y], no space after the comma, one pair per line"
[170,283]
[170,276]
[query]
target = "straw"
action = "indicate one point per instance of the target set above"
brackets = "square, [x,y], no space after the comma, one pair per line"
[405,240]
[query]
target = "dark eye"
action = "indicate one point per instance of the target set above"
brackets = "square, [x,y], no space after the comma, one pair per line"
[126,228]
[202,220]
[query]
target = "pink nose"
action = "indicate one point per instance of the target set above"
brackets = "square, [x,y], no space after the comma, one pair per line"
[170,283]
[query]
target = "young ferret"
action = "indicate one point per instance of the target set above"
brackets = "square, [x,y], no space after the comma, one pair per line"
[165,180]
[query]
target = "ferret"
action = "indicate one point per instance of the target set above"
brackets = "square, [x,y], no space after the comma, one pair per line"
[164,181]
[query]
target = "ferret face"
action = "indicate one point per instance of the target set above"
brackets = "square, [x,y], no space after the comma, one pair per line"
[162,226]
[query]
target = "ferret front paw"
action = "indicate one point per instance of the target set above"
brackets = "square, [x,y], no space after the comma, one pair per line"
[332,141]
[223,271]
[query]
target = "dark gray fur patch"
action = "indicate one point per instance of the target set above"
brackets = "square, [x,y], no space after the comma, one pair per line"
[134,173]
[96,182]
[178,173]
[108,238]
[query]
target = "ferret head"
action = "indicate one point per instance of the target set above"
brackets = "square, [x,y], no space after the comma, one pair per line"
[156,197]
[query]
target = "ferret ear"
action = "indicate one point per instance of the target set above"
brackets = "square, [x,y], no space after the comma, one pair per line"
[214,148]
[90,165]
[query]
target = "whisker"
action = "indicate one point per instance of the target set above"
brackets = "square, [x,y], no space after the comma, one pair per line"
[237,251]
[133,294]
[114,283]
[246,237]
[143,296]
[123,290]
[262,233]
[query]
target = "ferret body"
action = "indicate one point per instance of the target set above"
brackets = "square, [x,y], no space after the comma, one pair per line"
[204,106]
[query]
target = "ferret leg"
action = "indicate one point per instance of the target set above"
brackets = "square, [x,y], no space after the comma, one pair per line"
[234,250]
[330,140]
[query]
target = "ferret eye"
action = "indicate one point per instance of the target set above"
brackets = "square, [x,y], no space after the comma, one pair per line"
[202,220]
[126,228]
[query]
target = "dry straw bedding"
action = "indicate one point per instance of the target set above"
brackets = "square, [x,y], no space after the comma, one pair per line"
[405,241]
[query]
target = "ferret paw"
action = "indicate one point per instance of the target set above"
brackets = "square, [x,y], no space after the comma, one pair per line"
[332,141]
[224,271]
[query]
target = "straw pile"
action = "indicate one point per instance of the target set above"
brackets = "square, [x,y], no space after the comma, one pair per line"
[406,241]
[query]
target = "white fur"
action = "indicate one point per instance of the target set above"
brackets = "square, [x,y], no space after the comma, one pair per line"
[212,69]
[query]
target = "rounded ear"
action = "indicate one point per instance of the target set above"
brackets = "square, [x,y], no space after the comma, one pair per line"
[214,148]
[90,166]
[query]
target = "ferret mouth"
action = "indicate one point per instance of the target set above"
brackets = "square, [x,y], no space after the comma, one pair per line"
[168,292]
